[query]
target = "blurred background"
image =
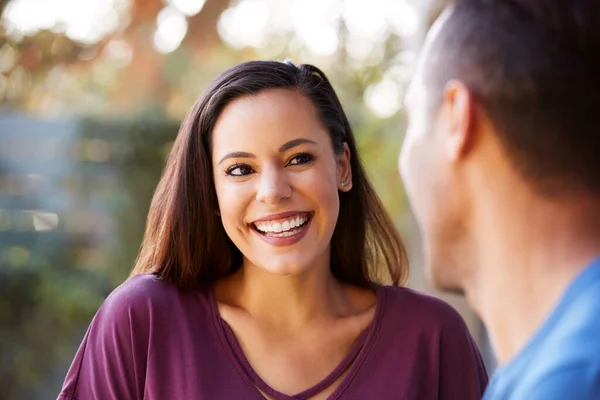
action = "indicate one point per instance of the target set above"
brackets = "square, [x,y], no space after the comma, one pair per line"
[91,96]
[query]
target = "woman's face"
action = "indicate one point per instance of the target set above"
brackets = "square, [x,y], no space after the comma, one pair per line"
[277,180]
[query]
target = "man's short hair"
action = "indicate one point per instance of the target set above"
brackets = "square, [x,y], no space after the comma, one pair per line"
[534,67]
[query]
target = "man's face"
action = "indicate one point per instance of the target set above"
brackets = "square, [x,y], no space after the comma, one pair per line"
[428,169]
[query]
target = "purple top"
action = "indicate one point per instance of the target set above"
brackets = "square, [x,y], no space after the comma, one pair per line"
[152,340]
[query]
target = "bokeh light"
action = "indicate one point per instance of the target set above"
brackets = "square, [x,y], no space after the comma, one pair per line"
[188,7]
[85,21]
[384,98]
[171,29]
[244,24]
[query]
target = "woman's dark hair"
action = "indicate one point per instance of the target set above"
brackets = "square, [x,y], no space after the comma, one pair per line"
[185,241]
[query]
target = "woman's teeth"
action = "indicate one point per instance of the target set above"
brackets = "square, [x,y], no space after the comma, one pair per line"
[282,227]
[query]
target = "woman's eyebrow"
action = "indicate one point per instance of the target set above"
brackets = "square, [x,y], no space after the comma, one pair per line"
[237,154]
[296,142]
[289,145]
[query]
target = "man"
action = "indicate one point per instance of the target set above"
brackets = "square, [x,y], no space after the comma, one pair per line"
[501,163]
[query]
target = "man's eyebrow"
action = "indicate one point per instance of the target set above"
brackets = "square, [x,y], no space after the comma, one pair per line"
[296,142]
[237,154]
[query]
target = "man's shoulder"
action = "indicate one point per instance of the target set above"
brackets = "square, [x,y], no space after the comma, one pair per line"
[569,380]
[579,381]
[575,338]
[565,363]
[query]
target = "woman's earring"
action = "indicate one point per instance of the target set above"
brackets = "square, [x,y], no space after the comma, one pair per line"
[345,183]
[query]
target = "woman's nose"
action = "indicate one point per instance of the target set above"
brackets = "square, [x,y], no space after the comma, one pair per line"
[273,186]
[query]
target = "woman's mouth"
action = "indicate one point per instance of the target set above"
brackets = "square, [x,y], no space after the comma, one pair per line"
[283,227]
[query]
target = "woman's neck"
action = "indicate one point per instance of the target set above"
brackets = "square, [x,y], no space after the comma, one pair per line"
[291,301]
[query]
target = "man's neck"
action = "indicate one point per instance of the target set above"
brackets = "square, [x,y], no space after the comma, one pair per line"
[530,252]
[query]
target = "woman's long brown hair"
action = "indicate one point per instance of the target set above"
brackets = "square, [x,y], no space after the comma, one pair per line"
[185,242]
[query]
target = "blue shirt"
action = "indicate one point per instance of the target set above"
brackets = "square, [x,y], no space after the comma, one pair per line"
[562,361]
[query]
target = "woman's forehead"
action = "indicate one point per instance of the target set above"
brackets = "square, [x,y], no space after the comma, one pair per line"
[268,119]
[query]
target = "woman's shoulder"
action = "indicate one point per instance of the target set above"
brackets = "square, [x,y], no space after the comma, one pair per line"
[141,286]
[146,292]
[144,315]
[428,334]
[422,310]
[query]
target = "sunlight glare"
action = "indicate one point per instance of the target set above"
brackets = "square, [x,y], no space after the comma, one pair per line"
[315,23]
[244,24]
[84,21]
[402,18]
[171,29]
[384,98]
[188,7]
[365,18]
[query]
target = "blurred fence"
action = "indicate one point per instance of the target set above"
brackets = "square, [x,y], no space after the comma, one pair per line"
[73,200]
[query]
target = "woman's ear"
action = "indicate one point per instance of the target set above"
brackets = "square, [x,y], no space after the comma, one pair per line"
[344,170]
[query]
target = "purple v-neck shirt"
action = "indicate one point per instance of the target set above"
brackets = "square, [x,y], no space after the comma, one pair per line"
[151,340]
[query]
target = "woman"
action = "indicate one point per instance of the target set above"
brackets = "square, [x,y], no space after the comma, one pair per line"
[258,275]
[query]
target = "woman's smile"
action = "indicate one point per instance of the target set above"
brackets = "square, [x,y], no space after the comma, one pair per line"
[283,229]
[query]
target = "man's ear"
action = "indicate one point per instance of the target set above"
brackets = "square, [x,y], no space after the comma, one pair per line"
[457,105]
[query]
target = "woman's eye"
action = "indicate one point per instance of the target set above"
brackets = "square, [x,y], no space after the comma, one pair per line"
[300,159]
[239,170]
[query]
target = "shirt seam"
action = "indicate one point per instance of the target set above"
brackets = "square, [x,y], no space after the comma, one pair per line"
[79,367]
[369,346]
[222,338]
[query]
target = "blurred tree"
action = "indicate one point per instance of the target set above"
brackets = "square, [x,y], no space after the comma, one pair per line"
[147,76]
[125,65]
[3,4]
